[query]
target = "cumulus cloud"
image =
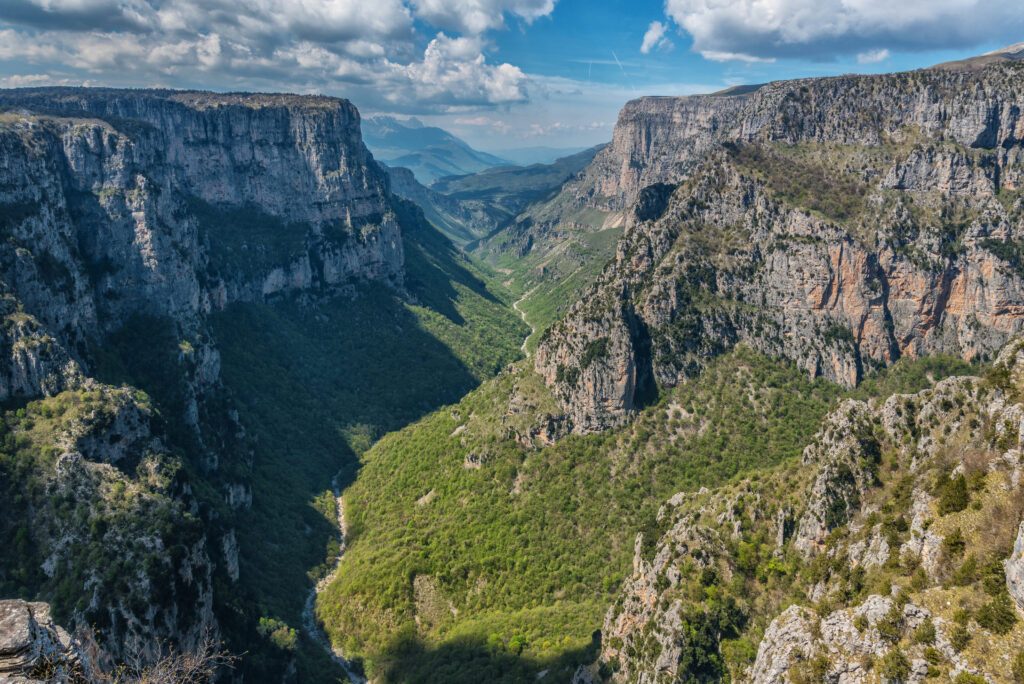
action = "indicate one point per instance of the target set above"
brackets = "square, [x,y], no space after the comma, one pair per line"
[455,69]
[766,29]
[477,16]
[80,14]
[369,51]
[655,38]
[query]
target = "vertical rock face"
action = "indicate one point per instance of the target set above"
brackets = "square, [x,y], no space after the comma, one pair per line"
[121,206]
[662,139]
[841,223]
[185,201]
[1015,570]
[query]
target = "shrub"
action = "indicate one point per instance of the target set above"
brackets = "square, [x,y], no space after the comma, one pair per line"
[890,626]
[953,494]
[279,633]
[812,671]
[1018,668]
[994,578]
[959,638]
[925,633]
[954,543]
[894,666]
[998,615]
[968,678]
[967,573]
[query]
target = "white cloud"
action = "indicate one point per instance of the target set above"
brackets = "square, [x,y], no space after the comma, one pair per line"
[477,16]
[454,69]
[366,51]
[765,29]
[25,80]
[655,38]
[717,56]
[872,56]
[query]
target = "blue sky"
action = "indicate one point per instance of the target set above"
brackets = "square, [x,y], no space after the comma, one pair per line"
[501,73]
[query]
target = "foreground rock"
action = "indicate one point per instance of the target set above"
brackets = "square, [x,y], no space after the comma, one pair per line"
[33,648]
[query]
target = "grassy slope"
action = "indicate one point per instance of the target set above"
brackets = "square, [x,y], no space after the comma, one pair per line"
[521,556]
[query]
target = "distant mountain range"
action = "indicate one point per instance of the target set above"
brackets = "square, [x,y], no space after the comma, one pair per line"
[429,152]
[469,207]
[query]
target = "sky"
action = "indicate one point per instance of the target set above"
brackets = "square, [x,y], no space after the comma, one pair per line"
[500,73]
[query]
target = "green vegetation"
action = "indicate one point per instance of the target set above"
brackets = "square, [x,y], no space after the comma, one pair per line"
[315,383]
[97,522]
[280,634]
[998,615]
[549,281]
[457,525]
[953,494]
[910,375]
[1010,251]
[245,240]
[803,181]
[894,666]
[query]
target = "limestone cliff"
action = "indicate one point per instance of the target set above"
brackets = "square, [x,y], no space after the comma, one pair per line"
[841,223]
[133,214]
[663,139]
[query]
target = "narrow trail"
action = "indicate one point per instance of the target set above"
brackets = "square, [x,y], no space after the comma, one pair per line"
[309,621]
[522,315]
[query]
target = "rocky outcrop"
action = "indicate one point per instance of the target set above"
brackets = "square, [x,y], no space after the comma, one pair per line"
[846,650]
[100,510]
[846,454]
[33,648]
[870,581]
[804,226]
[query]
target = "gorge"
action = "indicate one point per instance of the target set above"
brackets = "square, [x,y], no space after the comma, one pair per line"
[737,397]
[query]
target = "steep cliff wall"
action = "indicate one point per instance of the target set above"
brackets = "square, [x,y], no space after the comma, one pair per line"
[127,217]
[661,139]
[841,223]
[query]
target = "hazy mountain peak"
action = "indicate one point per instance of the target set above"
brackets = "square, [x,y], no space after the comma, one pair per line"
[428,151]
